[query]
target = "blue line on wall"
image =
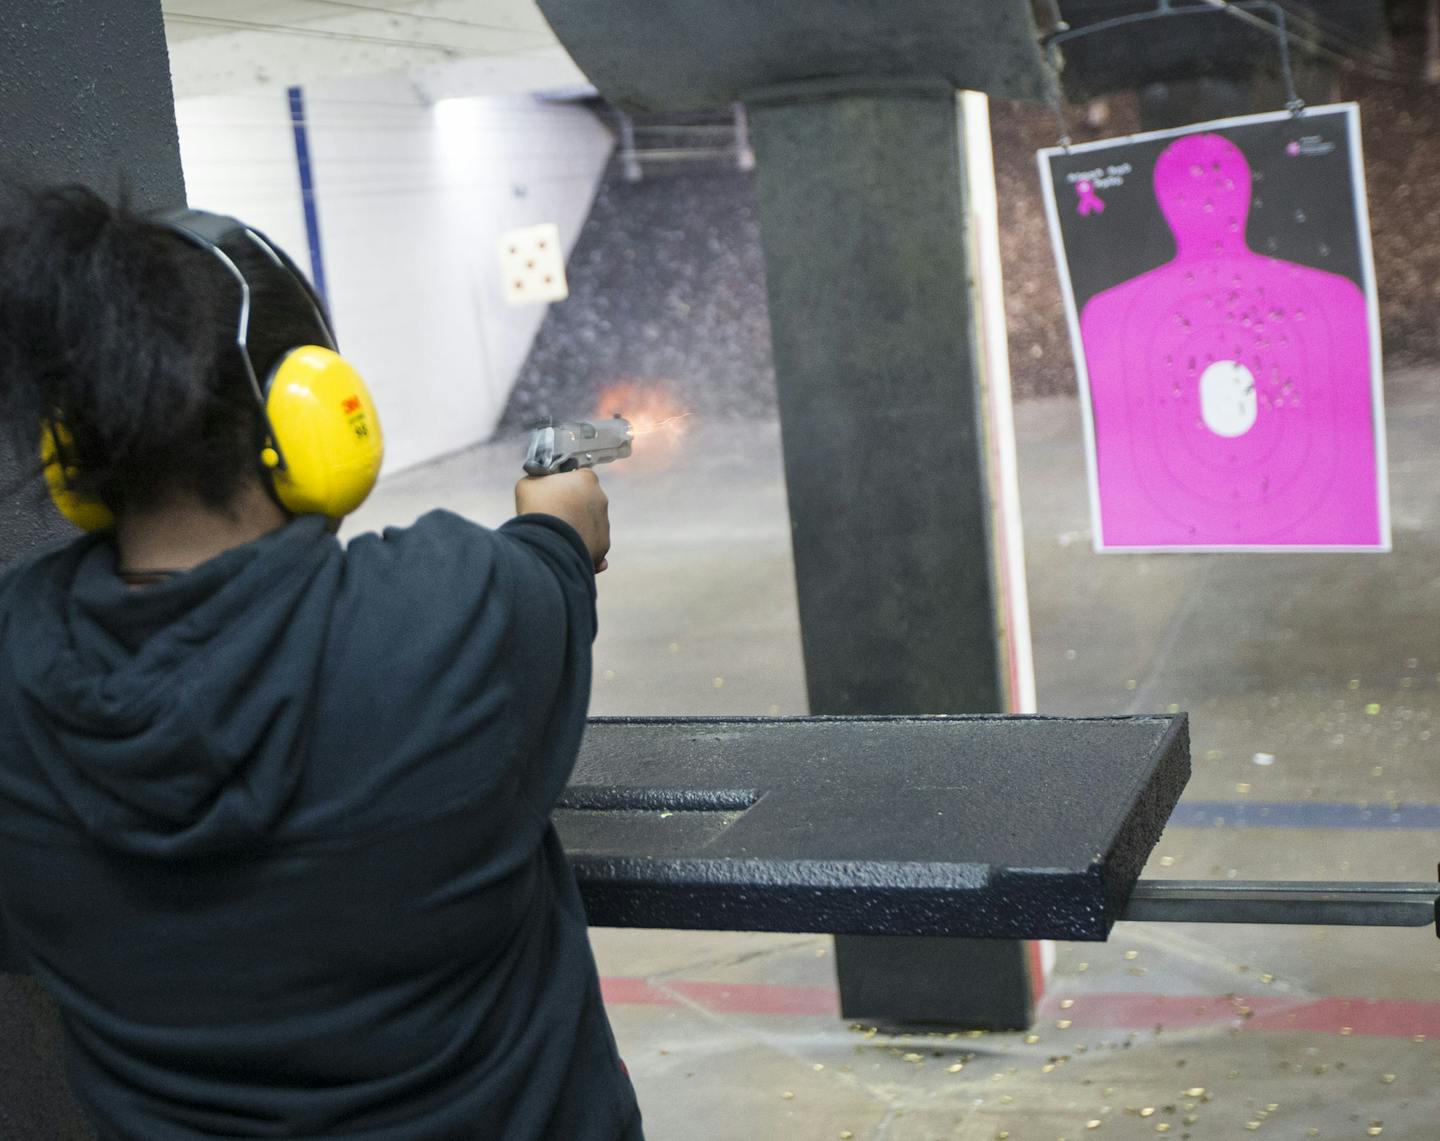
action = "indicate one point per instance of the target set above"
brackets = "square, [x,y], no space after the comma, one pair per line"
[307,192]
[1301,814]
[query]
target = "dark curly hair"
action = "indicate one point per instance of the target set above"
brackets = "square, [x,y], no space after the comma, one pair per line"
[124,332]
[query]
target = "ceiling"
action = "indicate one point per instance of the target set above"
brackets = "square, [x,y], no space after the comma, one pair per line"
[219,46]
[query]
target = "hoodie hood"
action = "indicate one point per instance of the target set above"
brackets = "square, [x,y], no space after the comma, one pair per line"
[172,719]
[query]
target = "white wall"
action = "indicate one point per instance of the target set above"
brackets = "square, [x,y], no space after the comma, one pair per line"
[412,198]
[239,158]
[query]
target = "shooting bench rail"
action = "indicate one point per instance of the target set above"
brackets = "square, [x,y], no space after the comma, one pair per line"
[975,827]
[1334,904]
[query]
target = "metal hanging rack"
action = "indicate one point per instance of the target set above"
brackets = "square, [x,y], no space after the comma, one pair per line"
[726,142]
[1243,10]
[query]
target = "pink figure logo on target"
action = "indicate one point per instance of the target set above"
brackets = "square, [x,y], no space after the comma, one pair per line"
[1090,202]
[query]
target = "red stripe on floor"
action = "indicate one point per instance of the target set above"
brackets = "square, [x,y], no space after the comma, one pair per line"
[1374,1018]
[760,998]
[1139,1011]
[633,992]
[1371,1018]
[1363,1017]
[723,998]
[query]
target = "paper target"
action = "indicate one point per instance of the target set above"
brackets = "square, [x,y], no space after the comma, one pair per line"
[1223,315]
[532,261]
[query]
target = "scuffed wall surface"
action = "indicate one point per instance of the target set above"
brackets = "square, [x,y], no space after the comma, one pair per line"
[1400,131]
[84,97]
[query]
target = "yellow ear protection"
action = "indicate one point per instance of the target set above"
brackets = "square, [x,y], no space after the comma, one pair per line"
[323,445]
[88,514]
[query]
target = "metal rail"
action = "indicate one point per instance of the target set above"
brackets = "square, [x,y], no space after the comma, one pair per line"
[1322,904]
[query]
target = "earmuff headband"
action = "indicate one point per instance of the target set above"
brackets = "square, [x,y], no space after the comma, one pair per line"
[317,307]
[207,231]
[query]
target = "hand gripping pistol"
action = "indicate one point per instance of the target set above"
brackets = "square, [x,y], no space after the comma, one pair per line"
[572,444]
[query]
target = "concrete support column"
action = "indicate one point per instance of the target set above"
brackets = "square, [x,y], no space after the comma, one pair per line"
[863,221]
[863,226]
[84,97]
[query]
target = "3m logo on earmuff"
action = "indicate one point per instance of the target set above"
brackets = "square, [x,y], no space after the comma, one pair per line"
[354,409]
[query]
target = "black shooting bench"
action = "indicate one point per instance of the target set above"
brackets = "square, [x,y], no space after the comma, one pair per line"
[978,826]
[983,826]
[974,826]
[987,827]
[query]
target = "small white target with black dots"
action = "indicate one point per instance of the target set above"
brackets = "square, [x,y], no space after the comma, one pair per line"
[533,263]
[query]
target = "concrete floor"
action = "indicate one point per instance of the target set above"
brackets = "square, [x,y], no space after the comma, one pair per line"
[1313,683]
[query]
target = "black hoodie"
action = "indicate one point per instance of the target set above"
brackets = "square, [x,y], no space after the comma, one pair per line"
[275,835]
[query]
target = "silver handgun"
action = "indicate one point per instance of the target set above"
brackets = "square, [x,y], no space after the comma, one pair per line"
[572,444]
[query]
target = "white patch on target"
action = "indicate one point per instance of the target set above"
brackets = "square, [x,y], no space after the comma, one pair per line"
[1228,403]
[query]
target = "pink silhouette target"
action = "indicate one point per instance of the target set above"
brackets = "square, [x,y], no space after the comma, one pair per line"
[1231,392]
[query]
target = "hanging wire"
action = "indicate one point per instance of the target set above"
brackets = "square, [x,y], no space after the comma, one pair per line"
[1342,48]
[380,10]
[1348,62]
[1057,102]
[410,109]
[1054,89]
[1345,49]
[1293,103]
[236,25]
